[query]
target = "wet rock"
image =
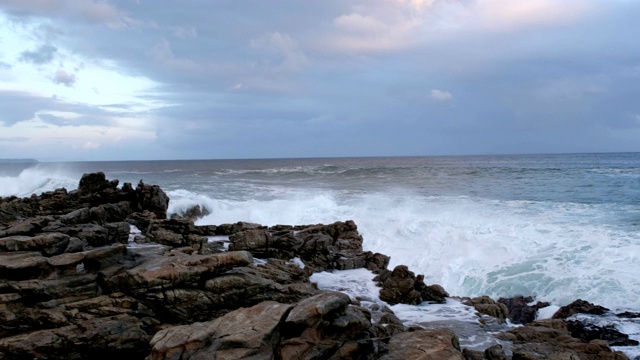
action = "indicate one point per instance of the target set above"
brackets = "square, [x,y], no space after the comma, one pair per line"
[520,312]
[550,339]
[486,305]
[402,286]
[586,332]
[579,306]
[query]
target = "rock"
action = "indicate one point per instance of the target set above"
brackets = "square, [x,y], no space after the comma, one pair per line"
[587,332]
[230,229]
[550,339]
[251,240]
[241,334]
[424,344]
[402,286]
[24,265]
[173,270]
[93,182]
[310,312]
[579,306]
[153,199]
[47,244]
[118,336]
[520,312]
[486,305]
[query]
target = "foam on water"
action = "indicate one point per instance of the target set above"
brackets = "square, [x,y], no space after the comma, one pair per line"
[36,180]
[557,252]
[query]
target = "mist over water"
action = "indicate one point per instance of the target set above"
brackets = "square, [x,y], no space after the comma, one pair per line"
[559,227]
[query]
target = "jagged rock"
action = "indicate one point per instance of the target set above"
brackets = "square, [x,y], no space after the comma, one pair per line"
[579,306]
[424,344]
[326,326]
[520,312]
[241,334]
[230,229]
[402,286]
[93,182]
[587,332]
[376,262]
[486,305]
[153,199]
[550,339]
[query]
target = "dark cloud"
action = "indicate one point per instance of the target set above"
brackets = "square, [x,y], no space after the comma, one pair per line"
[42,55]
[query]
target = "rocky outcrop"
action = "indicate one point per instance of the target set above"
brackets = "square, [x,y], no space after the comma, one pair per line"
[579,307]
[487,306]
[550,339]
[519,310]
[402,286]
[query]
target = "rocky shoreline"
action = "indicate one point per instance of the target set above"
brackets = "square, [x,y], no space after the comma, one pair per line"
[76,284]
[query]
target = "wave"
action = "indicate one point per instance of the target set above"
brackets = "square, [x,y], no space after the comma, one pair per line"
[36,180]
[557,252]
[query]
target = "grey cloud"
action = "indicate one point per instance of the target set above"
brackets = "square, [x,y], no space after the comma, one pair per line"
[64,78]
[21,106]
[42,55]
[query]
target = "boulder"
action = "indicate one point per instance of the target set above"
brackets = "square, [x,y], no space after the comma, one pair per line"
[424,345]
[486,305]
[520,312]
[579,307]
[241,334]
[402,286]
[153,199]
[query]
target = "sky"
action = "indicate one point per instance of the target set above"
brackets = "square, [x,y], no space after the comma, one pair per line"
[85,80]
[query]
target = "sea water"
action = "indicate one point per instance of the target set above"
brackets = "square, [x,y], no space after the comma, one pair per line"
[556,227]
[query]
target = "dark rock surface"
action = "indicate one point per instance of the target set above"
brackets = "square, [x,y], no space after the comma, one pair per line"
[402,286]
[579,307]
[519,310]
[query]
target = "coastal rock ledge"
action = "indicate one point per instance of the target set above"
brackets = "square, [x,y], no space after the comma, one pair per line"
[77,283]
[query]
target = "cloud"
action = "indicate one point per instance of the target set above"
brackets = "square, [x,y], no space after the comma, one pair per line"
[292,58]
[90,145]
[441,95]
[84,10]
[64,78]
[42,55]
[17,139]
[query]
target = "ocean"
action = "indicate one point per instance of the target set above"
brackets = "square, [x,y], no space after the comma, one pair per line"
[556,227]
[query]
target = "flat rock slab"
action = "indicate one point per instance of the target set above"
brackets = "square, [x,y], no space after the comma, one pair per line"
[424,345]
[239,334]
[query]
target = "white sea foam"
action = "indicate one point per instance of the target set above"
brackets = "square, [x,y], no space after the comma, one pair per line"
[35,180]
[554,251]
